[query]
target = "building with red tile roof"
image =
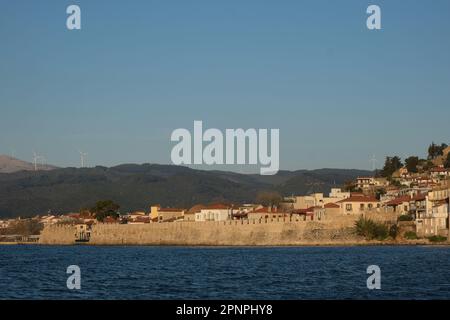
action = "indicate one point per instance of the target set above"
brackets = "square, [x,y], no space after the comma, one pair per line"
[358,204]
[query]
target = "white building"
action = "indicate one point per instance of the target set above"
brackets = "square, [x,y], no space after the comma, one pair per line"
[217,212]
[339,194]
[435,219]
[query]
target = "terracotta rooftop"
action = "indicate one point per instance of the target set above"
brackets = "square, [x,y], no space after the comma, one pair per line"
[218,206]
[196,208]
[399,200]
[170,210]
[331,205]
[359,198]
[419,197]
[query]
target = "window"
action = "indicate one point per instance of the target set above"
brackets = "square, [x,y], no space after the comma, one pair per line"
[370,206]
[348,207]
[361,206]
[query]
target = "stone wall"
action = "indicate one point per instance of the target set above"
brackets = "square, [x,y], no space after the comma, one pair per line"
[58,234]
[229,233]
[331,230]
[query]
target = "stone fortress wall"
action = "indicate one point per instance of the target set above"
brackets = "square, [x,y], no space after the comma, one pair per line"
[338,230]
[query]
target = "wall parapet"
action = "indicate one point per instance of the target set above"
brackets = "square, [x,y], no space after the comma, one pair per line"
[224,233]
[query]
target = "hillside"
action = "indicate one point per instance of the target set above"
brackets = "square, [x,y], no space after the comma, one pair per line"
[135,187]
[9,165]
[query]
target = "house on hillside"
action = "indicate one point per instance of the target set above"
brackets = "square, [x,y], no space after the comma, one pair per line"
[308,201]
[365,183]
[434,221]
[266,213]
[317,199]
[418,206]
[337,193]
[358,204]
[399,205]
[439,173]
[332,209]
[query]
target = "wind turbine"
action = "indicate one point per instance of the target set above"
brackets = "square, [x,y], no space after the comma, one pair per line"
[83,156]
[374,161]
[36,158]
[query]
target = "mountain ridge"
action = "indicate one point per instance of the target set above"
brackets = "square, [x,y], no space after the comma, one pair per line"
[10,164]
[137,186]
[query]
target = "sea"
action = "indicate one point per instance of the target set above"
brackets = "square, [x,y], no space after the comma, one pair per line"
[224,273]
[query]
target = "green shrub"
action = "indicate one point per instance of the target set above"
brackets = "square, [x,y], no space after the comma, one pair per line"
[393,231]
[437,239]
[406,217]
[410,235]
[381,232]
[371,230]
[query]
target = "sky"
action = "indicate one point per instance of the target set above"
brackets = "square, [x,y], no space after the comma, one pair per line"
[137,70]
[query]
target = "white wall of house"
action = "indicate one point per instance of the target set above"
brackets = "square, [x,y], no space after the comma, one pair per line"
[213,215]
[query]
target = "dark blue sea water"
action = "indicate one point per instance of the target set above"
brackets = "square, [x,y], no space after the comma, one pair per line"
[39,272]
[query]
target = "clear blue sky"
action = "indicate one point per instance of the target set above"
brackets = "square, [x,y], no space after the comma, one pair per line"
[140,69]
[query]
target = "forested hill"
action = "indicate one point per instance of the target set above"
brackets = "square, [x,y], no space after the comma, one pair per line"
[135,187]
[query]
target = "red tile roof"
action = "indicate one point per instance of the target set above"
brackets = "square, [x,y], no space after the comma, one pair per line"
[420,197]
[358,198]
[331,205]
[218,206]
[399,200]
[356,194]
[170,210]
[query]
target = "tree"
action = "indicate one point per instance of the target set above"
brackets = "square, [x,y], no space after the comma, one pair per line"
[393,231]
[432,151]
[269,199]
[412,163]
[106,208]
[435,150]
[426,165]
[391,165]
[447,161]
